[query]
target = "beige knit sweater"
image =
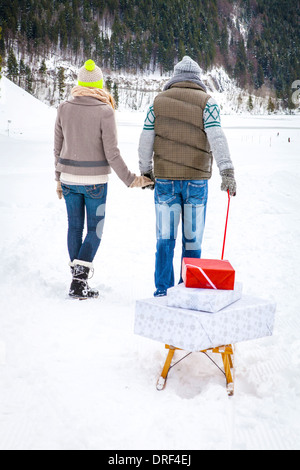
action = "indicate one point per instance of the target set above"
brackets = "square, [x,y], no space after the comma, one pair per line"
[85,141]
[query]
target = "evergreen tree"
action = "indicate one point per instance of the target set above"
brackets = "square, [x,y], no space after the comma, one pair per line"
[108,84]
[43,68]
[42,71]
[115,94]
[271,106]
[12,66]
[28,80]
[181,49]
[291,105]
[22,72]
[223,41]
[241,63]
[61,83]
[260,78]
[250,103]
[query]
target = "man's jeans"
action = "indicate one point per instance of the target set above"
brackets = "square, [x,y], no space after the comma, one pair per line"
[81,199]
[172,199]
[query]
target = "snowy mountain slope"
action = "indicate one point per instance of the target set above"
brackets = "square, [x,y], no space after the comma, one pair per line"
[72,374]
[256,43]
[22,115]
[137,91]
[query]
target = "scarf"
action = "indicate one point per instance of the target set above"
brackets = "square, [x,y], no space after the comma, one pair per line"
[98,93]
[185,77]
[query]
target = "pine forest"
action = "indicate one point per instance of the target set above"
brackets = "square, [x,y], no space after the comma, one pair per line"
[255,41]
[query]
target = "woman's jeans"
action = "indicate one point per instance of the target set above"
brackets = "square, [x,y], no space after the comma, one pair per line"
[173,199]
[80,200]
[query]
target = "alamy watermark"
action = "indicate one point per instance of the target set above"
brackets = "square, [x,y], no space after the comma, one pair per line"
[296,93]
[167,222]
[168,218]
[100,212]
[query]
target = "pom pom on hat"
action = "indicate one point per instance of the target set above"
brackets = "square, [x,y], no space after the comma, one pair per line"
[90,65]
[90,75]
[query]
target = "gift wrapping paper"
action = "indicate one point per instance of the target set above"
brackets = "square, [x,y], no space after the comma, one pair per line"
[206,300]
[208,273]
[246,319]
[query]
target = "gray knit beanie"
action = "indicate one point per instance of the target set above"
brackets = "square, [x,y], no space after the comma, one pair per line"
[187,65]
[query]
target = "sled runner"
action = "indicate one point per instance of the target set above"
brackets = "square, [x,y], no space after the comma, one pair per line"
[227,353]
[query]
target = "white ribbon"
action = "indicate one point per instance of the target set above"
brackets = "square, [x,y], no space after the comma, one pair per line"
[204,274]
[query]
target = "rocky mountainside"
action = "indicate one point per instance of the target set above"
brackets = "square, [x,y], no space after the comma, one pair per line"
[248,50]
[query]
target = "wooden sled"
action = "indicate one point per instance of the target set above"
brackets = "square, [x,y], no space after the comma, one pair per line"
[227,353]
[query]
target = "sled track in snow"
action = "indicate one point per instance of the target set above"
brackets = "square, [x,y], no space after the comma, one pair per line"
[263,437]
[272,428]
[17,429]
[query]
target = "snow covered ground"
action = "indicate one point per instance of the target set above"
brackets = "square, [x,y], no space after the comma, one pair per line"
[72,374]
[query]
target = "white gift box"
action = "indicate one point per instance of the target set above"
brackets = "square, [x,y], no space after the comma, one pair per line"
[191,330]
[206,300]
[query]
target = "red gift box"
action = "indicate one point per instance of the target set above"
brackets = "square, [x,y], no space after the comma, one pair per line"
[208,273]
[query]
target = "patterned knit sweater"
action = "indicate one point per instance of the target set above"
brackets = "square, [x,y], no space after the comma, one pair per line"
[212,126]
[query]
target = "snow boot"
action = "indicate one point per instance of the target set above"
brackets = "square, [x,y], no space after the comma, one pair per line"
[79,288]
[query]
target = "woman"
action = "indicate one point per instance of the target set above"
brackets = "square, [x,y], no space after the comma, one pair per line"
[85,150]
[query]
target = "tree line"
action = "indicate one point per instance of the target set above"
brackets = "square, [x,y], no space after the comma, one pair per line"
[258,45]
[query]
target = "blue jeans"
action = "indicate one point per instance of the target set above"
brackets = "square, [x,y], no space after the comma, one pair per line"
[185,198]
[81,199]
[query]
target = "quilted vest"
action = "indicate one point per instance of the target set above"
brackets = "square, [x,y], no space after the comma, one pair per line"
[181,148]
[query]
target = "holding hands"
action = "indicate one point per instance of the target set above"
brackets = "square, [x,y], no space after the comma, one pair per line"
[152,178]
[142,182]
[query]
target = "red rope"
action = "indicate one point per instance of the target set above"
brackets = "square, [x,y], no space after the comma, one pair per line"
[226,225]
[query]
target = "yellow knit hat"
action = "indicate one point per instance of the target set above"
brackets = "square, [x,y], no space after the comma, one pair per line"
[90,75]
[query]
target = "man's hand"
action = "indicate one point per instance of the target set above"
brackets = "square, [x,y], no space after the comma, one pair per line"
[228,182]
[152,178]
[141,182]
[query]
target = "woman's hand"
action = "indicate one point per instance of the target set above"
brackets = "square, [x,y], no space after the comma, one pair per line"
[59,190]
[141,182]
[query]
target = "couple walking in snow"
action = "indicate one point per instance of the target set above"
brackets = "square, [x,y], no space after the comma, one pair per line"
[181,135]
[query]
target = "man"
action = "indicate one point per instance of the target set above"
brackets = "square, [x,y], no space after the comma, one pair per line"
[183,129]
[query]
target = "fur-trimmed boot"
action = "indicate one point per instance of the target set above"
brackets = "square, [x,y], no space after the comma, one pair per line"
[79,288]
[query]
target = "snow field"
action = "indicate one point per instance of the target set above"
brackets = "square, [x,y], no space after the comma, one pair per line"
[72,374]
